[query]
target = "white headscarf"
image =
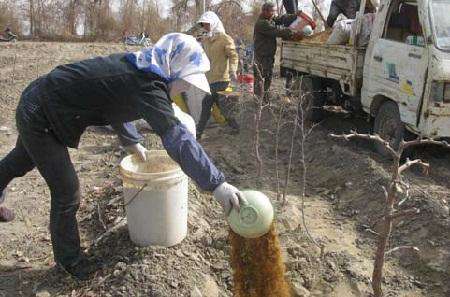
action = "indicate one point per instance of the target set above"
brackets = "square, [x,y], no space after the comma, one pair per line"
[211,18]
[175,56]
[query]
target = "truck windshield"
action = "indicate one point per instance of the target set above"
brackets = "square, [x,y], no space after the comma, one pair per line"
[441,23]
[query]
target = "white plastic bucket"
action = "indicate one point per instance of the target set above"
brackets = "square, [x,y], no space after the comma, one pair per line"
[156,199]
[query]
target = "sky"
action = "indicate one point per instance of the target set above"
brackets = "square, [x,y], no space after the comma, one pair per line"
[303,4]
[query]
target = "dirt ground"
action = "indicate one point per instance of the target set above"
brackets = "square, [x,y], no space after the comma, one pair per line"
[343,202]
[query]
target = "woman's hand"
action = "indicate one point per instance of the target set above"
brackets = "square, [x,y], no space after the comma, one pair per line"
[228,197]
[139,150]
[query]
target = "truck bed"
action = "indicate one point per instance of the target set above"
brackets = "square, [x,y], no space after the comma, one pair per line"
[340,62]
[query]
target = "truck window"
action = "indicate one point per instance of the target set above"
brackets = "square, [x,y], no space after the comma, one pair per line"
[441,23]
[403,24]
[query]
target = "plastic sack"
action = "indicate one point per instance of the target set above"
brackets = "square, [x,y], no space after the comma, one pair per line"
[301,21]
[341,32]
[366,29]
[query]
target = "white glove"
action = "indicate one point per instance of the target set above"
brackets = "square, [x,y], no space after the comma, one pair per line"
[139,150]
[228,197]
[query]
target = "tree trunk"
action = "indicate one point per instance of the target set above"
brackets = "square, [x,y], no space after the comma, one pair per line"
[31,13]
[200,7]
[377,274]
[72,17]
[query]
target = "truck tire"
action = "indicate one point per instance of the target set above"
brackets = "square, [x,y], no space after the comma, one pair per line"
[311,98]
[389,126]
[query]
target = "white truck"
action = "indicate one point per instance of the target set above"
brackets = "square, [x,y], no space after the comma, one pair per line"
[400,83]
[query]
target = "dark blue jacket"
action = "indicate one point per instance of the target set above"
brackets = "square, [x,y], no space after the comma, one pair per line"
[111,91]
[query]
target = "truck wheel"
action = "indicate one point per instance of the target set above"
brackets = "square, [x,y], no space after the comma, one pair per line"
[389,126]
[311,98]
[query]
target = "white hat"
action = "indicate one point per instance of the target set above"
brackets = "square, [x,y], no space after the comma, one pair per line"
[198,80]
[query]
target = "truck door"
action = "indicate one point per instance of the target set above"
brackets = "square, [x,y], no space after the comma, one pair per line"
[399,61]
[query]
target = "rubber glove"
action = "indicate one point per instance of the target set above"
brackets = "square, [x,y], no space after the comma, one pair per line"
[139,150]
[228,197]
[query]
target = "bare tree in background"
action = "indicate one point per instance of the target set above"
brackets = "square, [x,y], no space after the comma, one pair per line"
[129,16]
[233,17]
[151,21]
[179,11]
[59,19]
[9,15]
[72,16]
[31,16]
[200,7]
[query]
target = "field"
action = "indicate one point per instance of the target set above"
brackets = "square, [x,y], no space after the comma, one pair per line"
[343,202]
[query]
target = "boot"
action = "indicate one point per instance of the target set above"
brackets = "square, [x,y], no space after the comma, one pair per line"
[6,215]
[83,268]
[233,124]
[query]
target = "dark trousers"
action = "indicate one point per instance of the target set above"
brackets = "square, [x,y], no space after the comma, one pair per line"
[290,6]
[37,147]
[209,101]
[263,71]
[289,82]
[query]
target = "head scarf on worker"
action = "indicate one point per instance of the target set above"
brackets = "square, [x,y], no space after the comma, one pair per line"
[174,57]
[213,20]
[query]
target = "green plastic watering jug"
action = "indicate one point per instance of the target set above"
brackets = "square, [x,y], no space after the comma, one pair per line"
[255,216]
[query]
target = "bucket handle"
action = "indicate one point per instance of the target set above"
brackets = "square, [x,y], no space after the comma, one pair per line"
[135,195]
[242,200]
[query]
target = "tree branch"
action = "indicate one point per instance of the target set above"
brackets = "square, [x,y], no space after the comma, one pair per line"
[404,213]
[320,13]
[375,138]
[108,232]
[405,247]
[420,141]
[409,163]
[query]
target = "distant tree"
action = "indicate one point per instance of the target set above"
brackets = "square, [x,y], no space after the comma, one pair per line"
[9,16]
[71,16]
[129,16]
[151,21]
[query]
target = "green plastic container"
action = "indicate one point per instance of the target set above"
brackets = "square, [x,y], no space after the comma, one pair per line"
[255,216]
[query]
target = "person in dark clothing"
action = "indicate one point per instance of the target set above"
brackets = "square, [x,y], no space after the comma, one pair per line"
[265,33]
[291,6]
[345,7]
[55,109]
[348,8]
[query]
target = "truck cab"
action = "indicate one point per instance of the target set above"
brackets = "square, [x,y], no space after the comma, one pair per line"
[406,76]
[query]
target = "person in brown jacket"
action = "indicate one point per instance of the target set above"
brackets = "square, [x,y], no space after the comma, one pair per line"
[221,51]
